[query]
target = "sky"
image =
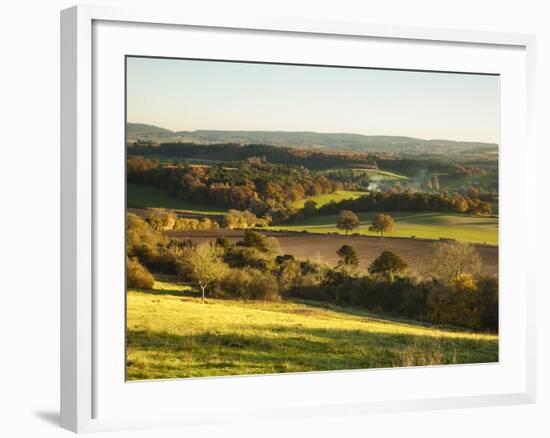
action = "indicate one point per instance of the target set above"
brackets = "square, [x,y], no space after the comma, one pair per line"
[187,95]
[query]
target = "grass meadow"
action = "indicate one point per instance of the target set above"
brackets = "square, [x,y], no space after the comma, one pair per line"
[337,196]
[171,334]
[141,196]
[427,225]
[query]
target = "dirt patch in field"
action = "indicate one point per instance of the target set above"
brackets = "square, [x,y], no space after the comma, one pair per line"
[324,247]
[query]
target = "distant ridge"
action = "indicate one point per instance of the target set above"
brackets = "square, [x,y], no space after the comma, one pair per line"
[306,139]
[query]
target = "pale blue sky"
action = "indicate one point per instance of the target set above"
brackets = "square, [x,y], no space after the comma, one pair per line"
[190,95]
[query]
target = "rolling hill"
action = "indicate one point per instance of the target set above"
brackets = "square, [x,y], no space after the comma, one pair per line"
[306,139]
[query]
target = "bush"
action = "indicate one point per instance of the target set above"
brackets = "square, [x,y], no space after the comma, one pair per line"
[456,305]
[184,224]
[488,303]
[468,303]
[414,302]
[150,247]
[248,284]
[160,219]
[264,244]
[137,275]
[248,257]
[263,286]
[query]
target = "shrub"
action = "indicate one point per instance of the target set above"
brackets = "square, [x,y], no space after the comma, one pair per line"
[249,284]
[456,305]
[414,302]
[160,219]
[248,257]
[183,224]
[223,242]
[488,302]
[263,286]
[141,239]
[137,275]
[264,244]
[234,284]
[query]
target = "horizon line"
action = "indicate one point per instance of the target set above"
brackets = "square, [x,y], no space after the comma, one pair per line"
[315,132]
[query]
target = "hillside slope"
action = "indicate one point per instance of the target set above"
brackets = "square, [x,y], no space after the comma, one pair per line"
[336,141]
[171,334]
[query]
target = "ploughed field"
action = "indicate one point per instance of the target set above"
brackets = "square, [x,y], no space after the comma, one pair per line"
[171,334]
[324,246]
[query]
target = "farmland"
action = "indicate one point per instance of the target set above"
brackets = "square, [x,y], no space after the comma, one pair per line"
[428,225]
[381,175]
[336,196]
[141,196]
[249,250]
[324,246]
[171,334]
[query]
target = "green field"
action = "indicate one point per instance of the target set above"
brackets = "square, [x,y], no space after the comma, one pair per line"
[337,196]
[374,174]
[171,334]
[140,196]
[454,183]
[382,175]
[419,224]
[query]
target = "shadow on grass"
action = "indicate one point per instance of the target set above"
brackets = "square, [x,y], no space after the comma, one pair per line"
[285,349]
[169,292]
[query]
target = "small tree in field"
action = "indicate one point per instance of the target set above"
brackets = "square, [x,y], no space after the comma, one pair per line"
[205,265]
[382,223]
[347,256]
[347,220]
[388,265]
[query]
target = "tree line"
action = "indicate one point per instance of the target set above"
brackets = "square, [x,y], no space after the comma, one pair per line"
[408,200]
[313,159]
[263,188]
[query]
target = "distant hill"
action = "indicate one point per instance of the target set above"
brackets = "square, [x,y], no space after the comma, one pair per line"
[306,139]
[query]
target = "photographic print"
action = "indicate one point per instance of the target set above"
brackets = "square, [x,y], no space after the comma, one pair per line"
[293,218]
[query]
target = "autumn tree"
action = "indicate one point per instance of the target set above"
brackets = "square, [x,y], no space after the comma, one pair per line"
[309,209]
[450,262]
[388,265]
[262,243]
[382,223]
[205,265]
[347,220]
[161,220]
[347,256]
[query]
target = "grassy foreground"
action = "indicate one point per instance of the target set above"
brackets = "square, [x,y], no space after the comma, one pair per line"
[171,334]
[427,225]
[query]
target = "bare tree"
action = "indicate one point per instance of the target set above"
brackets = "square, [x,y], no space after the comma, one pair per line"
[449,262]
[205,265]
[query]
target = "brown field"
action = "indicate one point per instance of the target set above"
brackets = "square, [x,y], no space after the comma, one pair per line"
[325,246]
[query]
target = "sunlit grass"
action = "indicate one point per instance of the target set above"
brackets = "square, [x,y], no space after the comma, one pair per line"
[337,196]
[428,225]
[142,196]
[170,334]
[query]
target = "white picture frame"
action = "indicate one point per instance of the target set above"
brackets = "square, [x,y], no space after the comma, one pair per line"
[83,369]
